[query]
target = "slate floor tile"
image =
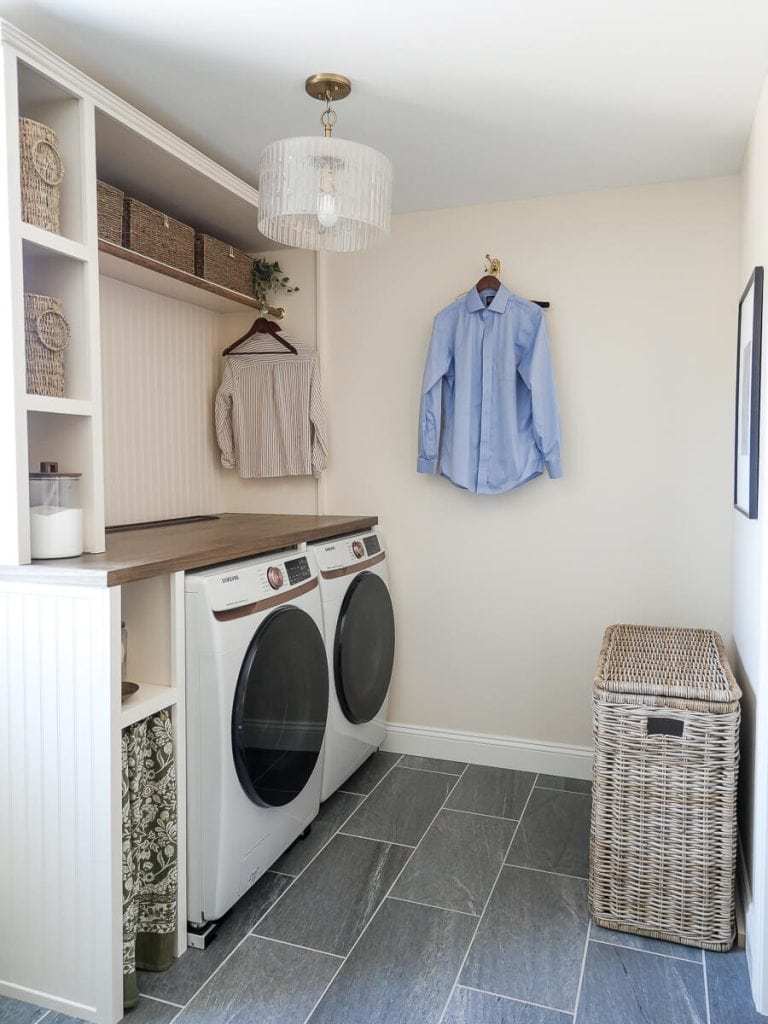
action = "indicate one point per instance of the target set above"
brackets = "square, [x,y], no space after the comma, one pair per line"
[146,1011]
[180,982]
[498,791]
[370,772]
[402,808]
[402,969]
[530,942]
[564,783]
[263,981]
[14,1011]
[330,904]
[730,993]
[457,862]
[433,764]
[645,944]
[635,988]
[468,1006]
[333,813]
[554,833]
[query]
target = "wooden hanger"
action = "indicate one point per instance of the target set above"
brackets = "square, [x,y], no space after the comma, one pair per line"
[490,280]
[261,326]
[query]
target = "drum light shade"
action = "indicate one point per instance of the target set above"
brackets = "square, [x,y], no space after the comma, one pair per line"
[324,193]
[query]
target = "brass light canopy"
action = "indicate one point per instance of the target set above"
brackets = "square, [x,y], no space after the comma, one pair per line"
[328,87]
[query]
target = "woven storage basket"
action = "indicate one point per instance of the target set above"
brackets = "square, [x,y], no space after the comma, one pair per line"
[223,264]
[46,336]
[41,174]
[663,836]
[158,236]
[110,212]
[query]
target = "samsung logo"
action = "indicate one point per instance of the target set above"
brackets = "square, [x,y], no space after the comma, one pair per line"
[331,548]
[229,579]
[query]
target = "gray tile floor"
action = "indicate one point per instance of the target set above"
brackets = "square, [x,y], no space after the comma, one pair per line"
[434,892]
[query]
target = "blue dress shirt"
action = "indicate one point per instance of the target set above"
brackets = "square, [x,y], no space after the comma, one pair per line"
[489,418]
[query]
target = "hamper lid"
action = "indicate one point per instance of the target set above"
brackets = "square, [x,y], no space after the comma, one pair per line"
[666,661]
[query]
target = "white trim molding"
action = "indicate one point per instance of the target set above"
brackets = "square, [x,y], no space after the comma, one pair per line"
[485,748]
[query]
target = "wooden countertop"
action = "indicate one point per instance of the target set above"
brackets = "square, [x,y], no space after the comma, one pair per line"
[138,554]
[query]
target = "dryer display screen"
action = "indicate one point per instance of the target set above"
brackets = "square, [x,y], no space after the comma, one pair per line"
[297,569]
[372,545]
[280,708]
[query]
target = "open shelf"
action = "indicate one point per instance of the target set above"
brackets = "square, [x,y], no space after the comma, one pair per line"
[61,406]
[55,243]
[44,100]
[133,268]
[148,700]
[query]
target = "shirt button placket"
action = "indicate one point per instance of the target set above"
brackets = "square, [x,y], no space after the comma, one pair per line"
[485,400]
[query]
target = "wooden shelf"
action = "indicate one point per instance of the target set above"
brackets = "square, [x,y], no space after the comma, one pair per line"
[143,272]
[60,406]
[148,699]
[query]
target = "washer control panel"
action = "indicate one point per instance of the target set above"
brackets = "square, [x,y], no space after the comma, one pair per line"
[250,582]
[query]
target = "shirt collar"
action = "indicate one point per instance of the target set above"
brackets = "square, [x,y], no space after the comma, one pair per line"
[498,304]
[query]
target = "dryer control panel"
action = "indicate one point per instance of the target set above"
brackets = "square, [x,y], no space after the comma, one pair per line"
[252,582]
[347,551]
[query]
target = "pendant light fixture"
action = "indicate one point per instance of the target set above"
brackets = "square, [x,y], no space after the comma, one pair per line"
[318,192]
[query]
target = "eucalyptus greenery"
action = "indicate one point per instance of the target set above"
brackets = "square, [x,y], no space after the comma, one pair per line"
[268,278]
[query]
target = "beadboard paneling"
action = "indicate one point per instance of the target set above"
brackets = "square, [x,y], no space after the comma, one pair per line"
[160,376]
[59,788]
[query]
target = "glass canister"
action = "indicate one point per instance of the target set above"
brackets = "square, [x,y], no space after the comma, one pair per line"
[56,513]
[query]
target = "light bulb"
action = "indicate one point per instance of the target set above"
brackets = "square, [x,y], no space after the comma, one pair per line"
[327,211]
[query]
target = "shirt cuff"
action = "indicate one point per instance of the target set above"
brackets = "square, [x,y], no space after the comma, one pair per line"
[426,465]
[554,469]
[227,463]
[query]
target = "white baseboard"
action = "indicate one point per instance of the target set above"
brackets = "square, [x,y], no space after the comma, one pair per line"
[743,896]
[484,748]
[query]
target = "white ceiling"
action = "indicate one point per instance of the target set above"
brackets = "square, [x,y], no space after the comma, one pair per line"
[473,102]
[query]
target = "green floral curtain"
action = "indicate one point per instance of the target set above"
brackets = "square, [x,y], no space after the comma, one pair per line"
[150,874]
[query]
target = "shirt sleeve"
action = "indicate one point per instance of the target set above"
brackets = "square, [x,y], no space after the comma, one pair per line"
[535,367]
[317,419]
[437,367]
[223,418]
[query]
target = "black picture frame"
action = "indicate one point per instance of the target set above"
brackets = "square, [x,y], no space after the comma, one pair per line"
[746,454]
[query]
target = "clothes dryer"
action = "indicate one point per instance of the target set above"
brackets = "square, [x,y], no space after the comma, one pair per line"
[359,629]
[257,703]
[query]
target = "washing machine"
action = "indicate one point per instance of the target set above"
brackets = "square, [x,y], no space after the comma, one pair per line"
[359,629]
[257,702]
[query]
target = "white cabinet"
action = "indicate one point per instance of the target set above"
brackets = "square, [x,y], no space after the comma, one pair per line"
[60,663]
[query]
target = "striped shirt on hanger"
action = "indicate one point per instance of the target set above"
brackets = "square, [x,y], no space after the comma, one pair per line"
[269,411]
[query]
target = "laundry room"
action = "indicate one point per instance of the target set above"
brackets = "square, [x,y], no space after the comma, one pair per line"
[383,587]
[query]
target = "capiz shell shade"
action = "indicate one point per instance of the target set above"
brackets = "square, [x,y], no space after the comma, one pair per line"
[324,193]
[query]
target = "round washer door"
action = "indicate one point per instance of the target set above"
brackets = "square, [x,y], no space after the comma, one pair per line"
[364,648]
[280,708]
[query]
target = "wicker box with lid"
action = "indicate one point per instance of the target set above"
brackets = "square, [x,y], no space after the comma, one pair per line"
[663,836]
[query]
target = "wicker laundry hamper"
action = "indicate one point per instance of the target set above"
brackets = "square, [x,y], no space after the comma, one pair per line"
[46,336]
[663,836]
[41,174]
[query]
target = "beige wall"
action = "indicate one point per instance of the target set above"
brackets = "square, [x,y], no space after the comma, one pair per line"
[502,600]
[750,588]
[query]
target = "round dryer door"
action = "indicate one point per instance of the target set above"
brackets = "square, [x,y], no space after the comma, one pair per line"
[280,708]
[365,648]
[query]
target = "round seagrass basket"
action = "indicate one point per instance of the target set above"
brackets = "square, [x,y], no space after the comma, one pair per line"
[41,174]
[46,336]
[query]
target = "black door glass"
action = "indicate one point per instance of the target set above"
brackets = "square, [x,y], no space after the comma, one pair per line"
[365,648]
[280,708]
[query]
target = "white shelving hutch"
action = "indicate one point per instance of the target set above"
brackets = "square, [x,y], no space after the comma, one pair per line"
[60,670]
